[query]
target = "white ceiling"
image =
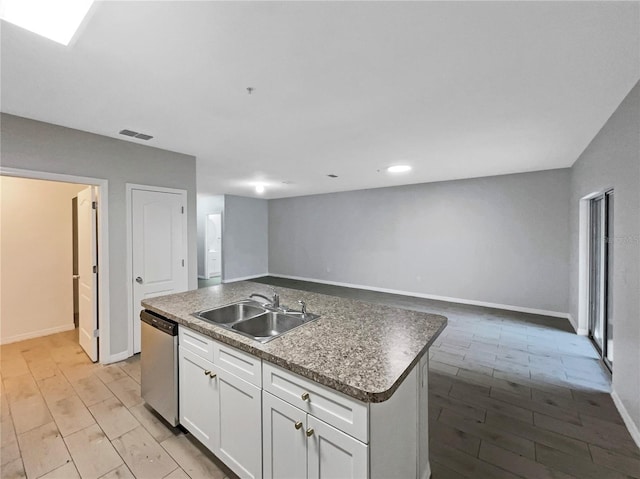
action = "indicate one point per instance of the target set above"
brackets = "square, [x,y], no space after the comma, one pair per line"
[456,90]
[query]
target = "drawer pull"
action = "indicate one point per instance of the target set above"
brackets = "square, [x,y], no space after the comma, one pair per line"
[207,372]
[298,425]
[305,396]
[212,375]
[310,432]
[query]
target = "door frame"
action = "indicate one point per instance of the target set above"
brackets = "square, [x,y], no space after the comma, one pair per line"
[102,196]
[207,273]
[130,187]
[584,260]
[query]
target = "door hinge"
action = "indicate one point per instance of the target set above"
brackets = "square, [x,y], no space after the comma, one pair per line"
[95,268]
[94,205]
[96,333]
[182,209]
[183,263]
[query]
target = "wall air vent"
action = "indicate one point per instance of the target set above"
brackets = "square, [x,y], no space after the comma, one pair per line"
[135,134]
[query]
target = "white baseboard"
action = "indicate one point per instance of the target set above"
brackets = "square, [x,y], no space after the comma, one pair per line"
[448,299]
[626,417]
[245,278]
[36,334]
[201,276]
[114,358]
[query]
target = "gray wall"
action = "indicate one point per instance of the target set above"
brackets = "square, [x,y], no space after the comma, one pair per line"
[499,239]
[613,160]
[245,247]
[34,145]
[207,205]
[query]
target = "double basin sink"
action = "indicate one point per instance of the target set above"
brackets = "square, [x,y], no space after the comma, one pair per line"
[255,320]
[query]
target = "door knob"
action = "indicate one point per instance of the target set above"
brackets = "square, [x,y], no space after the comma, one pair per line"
[139,280]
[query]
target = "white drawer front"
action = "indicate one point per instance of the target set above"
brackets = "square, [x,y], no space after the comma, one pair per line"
[196,343]
[342,412]
[238,363]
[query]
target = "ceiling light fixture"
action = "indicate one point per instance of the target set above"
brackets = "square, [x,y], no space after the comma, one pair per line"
[259,189]
[57,21]
[399,169]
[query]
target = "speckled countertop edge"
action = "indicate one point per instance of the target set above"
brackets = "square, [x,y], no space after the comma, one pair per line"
[363,350]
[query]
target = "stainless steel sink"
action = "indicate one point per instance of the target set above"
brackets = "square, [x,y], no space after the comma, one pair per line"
[259,322]
[231,313]
[268,325]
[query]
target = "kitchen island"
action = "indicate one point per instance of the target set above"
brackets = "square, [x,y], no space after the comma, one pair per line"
[342,396]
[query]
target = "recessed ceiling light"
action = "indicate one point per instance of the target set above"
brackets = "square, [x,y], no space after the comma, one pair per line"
[260,189]
[57,21]
[398,168]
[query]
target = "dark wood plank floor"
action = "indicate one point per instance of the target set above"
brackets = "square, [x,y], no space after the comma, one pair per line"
[512,395]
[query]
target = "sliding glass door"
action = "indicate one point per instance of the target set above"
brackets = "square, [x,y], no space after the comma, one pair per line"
[601,275]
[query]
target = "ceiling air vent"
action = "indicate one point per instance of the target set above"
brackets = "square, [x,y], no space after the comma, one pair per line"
[135,134]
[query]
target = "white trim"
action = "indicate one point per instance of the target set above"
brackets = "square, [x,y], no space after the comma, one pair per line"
[117,357]
[448,299]
[245,278]
[626,417]
[37,334]
[104,318]
[130,187]
[579,331]
[202,277]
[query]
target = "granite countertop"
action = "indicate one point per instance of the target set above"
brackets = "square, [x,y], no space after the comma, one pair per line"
[360,349]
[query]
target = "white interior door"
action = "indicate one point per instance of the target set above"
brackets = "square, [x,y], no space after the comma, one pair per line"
[88,277]
[214,243]
[159,248]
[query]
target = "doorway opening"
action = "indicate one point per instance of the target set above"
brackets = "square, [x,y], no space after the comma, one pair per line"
[49,261]
[210,240]
[101,189]
[213,249]
[601,275]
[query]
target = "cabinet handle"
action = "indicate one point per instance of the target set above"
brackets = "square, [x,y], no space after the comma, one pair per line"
[207,372]
[212,375]
[298,425]
[310,432]
[305,396]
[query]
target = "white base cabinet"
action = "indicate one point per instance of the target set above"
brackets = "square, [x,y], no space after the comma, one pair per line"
[221,410]
[297,445]
[264,421]
[198,396]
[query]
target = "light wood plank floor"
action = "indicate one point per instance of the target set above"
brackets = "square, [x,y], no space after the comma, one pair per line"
[65,417]
[511,395]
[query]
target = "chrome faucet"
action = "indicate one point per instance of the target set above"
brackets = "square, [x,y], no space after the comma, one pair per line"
[274,301]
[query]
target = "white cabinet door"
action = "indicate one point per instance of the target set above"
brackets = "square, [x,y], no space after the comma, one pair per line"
[238,441]
[284,439]
[332,454]
[199,403]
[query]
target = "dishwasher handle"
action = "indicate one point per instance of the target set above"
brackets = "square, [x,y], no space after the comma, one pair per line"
[163,324]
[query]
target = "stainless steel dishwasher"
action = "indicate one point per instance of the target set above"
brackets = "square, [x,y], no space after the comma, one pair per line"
[159,365]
